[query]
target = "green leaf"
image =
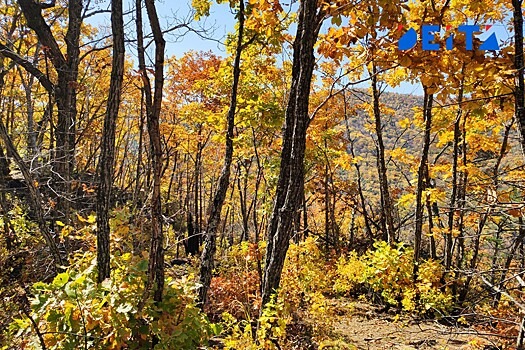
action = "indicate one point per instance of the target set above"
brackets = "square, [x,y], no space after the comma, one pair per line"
[53,316]
[70,290]
[68,312]
[61,280]
[143,265]
[336,20]
[216,328]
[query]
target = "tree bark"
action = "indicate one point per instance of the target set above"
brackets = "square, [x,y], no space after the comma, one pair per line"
[291,172]
[106,163]
[421,179]
[519,92]
[387,222]
[210,245]
[449,248]
[153,106]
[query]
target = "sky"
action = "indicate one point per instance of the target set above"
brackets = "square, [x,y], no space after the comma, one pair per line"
[220,22]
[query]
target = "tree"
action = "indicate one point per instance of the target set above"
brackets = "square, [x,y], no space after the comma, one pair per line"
[422,175]
[153,104]
[65,92]
[519,92]
[208,253]
[291,171]
[107,157]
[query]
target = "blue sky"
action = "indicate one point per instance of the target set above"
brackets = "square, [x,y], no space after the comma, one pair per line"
[219,23]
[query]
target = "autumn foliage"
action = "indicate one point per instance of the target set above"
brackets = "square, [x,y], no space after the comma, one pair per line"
[389,177]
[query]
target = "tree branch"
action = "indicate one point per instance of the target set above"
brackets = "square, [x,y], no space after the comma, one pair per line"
[35,21]
[28,66]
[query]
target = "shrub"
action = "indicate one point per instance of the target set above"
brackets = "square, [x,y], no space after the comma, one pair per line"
[388,271]
[73,311]
[270,334]
[235,287]
[307,278]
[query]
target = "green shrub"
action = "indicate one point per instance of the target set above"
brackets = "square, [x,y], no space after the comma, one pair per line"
[73,312]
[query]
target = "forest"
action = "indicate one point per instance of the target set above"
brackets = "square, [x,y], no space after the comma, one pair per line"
[285,192]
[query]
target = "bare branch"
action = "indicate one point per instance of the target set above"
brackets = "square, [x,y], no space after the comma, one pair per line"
[28,66]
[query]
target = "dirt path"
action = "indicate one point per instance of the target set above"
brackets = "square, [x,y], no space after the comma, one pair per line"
[364,327]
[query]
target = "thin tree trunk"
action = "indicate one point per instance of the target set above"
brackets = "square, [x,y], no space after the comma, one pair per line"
[243,194]
[210,245]
[35,199]
[138,184]
[291,174]
[449,249]
[519,92]
[153,106]
[421,179]
[156,257]
[256,192]
[386,203]
[65,92]
[106,163]
[515,245]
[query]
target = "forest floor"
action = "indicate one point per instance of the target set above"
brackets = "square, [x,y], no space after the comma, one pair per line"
[365,326]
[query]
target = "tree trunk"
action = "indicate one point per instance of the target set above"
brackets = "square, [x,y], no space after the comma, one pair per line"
[291,174]
[358,173]
[153,104]
[106,163]
[210,245]
[387,222]
[156,257]
[421,179]
[35,199]
[519,92]
[449,248]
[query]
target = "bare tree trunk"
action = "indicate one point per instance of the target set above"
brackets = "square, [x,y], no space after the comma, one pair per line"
[421,179]
[137,198]
[210,245]
[242,187]
[387,222]
[519,92]
[156,257]
[153,104]
[106,163]
[326,202]
[449,249]
[291,172]
[256,192]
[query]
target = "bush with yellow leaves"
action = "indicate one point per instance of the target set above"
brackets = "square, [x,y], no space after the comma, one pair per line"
[388,271]
[268,333]
[306,280]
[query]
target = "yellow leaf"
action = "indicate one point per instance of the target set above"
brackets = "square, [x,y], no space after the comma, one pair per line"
[406,199]
[91,219]
[80,218]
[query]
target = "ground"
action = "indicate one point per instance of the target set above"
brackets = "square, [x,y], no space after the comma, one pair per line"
[367,327]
